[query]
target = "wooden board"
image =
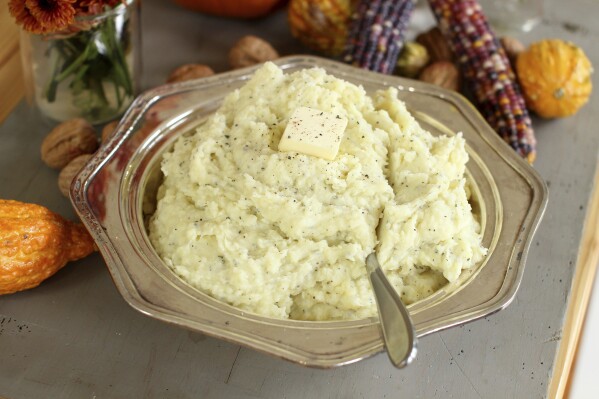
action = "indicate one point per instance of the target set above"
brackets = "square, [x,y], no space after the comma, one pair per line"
[582,286]
[11,78]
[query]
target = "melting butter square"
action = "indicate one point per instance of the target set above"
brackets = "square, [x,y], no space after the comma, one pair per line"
[313,132]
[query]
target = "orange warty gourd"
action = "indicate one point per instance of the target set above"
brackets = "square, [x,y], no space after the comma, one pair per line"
[321,25]
[555,76]
[35,243]
[231,8]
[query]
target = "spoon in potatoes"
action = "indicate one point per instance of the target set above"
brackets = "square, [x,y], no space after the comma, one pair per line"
[398,331]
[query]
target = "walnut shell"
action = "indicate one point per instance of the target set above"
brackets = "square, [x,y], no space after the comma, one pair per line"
[67,141]
[68,173]
[189,72]
[513,47]
[251,50]
[108,130]
[436,44]
[442,73]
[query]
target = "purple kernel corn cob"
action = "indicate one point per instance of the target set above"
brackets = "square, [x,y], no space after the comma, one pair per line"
[376,34]
[487,72]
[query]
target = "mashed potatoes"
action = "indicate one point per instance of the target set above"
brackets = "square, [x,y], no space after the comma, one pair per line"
[285,234]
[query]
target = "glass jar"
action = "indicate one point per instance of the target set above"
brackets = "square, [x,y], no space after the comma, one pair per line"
[90,70]
[513,16]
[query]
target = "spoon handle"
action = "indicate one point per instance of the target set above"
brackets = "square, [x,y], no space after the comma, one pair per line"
[398,330]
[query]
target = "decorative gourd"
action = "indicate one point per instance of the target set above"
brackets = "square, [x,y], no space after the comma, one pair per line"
[412,60]
[231,8]
[36,243]
[321,25]
[556,78]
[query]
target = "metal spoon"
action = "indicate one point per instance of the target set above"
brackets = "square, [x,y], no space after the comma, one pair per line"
[398,330]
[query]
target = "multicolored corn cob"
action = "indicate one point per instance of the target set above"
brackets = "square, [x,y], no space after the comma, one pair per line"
[487,72]
[376,34]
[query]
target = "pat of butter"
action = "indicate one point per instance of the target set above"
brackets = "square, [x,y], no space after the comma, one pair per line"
[313,132]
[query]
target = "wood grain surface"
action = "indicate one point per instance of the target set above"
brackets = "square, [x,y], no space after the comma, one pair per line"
[582,286]
[11,78]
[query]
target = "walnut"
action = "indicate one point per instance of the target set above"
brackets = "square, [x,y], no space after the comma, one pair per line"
[189,72]
[251,50]
[436,44]
[67,141]
[442,73]
[107,131]
[513,47]
[68,173]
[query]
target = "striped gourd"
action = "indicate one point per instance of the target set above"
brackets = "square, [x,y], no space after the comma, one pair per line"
[320,24]
[487,72]
[376,34]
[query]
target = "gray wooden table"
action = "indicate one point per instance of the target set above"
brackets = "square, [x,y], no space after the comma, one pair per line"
[75,337]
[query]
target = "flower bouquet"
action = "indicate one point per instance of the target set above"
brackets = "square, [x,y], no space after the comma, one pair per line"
[79,56]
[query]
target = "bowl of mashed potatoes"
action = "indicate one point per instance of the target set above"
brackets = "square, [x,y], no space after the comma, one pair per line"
[205,221]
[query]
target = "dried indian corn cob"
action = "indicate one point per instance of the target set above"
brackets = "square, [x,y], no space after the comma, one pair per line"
[377,34]
[487,71]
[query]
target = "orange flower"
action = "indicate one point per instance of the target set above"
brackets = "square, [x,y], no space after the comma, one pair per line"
[54,15]
[95,7]
[24,18]
[51,16]
[90,6]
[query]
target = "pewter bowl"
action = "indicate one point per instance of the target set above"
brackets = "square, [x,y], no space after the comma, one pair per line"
[115,193]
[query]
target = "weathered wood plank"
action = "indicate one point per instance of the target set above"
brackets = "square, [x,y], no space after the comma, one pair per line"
[11,77]
[582,286]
